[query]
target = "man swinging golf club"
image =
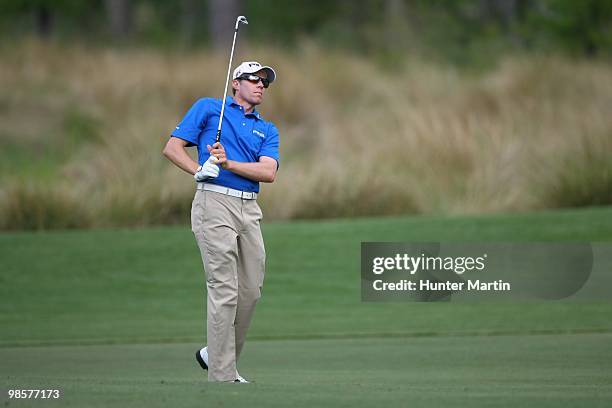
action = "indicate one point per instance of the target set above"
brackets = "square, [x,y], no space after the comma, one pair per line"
[225,215]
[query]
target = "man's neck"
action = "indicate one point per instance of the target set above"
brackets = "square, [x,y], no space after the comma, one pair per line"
[248,108]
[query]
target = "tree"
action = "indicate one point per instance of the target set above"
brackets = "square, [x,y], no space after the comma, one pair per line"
[120,17]
[221,19]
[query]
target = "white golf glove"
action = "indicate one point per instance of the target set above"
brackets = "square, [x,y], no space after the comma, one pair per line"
[208,170]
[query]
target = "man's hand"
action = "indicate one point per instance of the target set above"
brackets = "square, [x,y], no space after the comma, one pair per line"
[208,170]
[218,152]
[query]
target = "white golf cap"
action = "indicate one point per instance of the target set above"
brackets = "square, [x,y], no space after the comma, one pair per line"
[250,67]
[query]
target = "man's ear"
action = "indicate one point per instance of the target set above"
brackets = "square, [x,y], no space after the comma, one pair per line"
[235,84]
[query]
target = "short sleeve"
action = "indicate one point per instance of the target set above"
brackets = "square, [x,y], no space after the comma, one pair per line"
[193,123]
[269,147]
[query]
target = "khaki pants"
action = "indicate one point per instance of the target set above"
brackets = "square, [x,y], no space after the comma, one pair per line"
[227,231]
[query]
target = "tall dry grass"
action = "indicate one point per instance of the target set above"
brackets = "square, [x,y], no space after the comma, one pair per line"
[534,133]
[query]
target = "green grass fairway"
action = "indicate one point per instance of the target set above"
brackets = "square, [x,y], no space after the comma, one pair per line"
[483,371]
[114,317]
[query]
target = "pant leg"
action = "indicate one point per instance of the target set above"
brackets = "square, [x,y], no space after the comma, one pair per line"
[213,225]
[251,269]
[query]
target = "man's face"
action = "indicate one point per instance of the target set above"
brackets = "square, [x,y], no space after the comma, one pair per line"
[250,91]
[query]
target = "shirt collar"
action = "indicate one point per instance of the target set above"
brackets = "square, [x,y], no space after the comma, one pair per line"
[230,101]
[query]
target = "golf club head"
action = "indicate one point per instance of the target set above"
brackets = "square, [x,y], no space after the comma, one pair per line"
[241,19]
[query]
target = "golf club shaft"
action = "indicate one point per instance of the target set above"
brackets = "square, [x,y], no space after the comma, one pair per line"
[229,67]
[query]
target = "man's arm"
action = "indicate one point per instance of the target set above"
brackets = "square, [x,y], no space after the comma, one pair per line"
[176,153]
[264,170]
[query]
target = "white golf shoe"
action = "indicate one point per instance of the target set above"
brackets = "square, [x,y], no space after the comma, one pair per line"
[240,379]
[202,358]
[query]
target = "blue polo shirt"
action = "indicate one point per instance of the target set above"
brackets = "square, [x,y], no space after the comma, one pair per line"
[245,137]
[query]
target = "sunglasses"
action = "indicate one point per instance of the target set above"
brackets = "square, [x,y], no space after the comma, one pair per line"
[255,79]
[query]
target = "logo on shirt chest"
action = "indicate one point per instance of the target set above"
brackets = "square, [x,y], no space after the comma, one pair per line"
[258,133]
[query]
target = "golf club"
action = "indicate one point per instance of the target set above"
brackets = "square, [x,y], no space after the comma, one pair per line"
[243,20]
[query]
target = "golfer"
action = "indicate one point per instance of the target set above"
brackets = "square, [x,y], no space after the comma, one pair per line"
[225,216]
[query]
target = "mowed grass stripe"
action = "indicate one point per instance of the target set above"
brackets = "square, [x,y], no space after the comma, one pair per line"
[122,285]
[352,335]
[502,371]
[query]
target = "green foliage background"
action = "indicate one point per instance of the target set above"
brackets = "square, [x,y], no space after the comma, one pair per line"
[459,31]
